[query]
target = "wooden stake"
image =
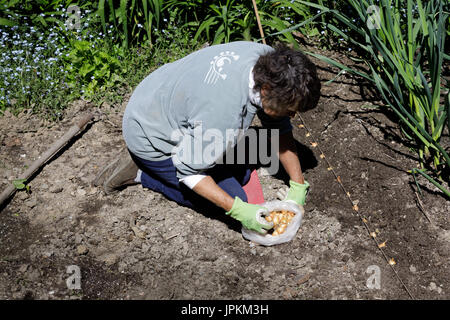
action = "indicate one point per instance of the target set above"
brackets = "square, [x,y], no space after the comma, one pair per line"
[259,22]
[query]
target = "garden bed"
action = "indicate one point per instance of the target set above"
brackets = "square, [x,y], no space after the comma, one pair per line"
[138,245]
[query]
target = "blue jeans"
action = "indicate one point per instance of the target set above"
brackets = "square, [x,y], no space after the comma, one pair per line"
[160,176]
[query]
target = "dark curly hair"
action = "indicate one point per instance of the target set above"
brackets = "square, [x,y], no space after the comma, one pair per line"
[288,78]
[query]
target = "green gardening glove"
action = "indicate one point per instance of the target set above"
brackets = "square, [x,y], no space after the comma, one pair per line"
[296,193]
[250,215]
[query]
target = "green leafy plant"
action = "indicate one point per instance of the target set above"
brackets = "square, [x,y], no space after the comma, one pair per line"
[221,21]
[170,44]
[31,72]
[284,17]
[93,67]
[230,20]
[133,21]
[405,52]
[44,12]
[20,184]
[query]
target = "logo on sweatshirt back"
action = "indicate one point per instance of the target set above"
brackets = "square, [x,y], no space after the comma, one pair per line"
[217,66]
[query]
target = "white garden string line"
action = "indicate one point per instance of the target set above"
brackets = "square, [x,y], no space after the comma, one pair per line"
[355,208]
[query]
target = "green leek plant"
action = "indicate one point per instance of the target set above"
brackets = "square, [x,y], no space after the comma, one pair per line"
[403,47]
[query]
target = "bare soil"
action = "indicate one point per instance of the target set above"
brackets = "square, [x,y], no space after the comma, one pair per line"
[136,244]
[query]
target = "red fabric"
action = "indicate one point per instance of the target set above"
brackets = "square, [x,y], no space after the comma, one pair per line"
[253,189]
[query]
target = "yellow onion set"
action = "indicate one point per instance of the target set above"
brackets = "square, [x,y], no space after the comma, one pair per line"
[280,219]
